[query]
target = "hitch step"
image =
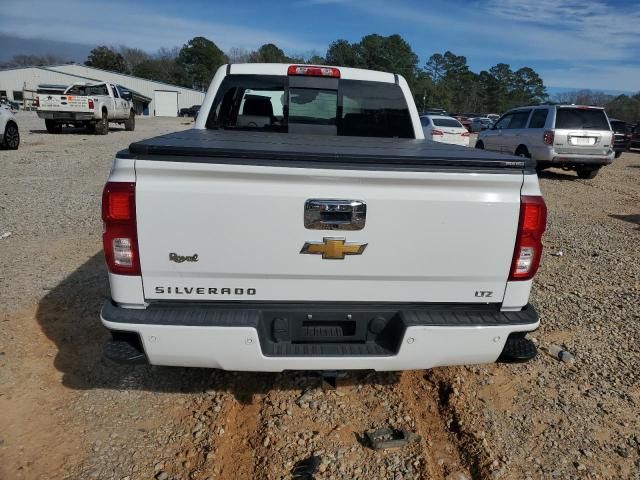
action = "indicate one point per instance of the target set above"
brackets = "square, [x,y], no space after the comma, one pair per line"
[517,349]
[123,351]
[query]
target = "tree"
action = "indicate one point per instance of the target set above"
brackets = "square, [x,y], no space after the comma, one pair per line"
[341,53]
[33,60]
[238,55]
[527,87]
[132,56]
[625,107]
[268,53]
[200,58]
[107,59]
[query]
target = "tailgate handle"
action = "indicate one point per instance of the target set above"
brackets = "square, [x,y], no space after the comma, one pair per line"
[334,214]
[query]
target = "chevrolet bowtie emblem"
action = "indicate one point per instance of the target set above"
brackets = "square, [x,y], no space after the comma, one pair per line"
[332,248]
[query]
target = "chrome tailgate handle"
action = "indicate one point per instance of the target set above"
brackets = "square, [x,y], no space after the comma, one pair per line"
[333,214]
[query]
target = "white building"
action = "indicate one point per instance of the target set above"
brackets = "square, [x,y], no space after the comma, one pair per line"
[150,97]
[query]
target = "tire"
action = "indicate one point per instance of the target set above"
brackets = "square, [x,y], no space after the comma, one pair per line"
[11,136]
[130,123]
[102,127]
[480,145]
[587,172]
[52,126]
[618,154]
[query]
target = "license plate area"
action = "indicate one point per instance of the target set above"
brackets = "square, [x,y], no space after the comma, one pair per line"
[583,141]
[342,332]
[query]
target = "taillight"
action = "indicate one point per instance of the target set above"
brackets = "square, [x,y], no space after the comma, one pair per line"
[548,137]
[531,226]
[36,102]
[435,132]
[120,236]
[465,134]
[90,103]
[313,71]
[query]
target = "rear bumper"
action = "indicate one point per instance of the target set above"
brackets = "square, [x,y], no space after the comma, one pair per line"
[277,337]
[547,155]
[69,116]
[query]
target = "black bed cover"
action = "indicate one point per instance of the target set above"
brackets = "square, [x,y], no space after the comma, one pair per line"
[320,151]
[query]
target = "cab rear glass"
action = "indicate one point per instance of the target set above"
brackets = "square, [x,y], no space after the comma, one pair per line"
[581,119]
[331,107]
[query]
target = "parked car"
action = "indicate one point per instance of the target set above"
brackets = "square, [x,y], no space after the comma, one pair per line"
[634,141]
[622,136]
[444,129]
[10,138]
[269,238]
[435,111]
[480,123]
[191,111]
[92,105]
[11,105]
[465,121]
[571,137]
[493,116]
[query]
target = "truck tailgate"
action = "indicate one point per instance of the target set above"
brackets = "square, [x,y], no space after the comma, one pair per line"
[63,103]
[226,224]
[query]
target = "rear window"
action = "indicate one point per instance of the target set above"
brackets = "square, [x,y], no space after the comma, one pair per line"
[581,119]
[343,108]
[447,122]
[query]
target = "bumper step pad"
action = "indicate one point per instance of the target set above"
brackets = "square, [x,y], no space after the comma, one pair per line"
[517,349]
[122,351]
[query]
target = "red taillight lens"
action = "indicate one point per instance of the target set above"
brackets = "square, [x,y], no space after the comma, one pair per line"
[548,137]
[36,102]
[120,236]
[465,134]
[528,249]
[313,71]
[436,132]
[90,102]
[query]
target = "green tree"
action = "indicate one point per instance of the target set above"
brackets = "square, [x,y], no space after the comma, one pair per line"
[107,59]
[341,53]
[389,54]
[268,53]
[200,58]
[527,88]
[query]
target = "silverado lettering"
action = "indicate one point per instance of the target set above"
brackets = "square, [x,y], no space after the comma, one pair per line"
[204,291]
[263,189]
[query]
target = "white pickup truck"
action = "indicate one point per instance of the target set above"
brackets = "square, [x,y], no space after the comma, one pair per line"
[92,105]
[305,223]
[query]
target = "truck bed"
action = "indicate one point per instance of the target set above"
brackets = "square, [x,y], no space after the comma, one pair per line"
[318,151]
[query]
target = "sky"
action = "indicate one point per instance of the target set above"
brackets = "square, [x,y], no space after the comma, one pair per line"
[572,44]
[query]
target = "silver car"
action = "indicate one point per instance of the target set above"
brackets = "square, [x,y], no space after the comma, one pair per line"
[571,137]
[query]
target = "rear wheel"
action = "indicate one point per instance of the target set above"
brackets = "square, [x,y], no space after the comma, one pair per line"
[618,154]
[52,126]
[11,136]
[102,127]
[130,123]
[587,172]
[480,145]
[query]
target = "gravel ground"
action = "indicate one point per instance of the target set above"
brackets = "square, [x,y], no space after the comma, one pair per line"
[67,413]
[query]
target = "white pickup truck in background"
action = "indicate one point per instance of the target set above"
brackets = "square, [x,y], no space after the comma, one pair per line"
[92,105]
[305,223]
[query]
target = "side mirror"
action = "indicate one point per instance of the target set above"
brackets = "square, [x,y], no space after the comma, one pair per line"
[127,96]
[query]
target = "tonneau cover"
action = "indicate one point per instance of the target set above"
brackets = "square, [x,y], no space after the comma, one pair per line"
[319,151]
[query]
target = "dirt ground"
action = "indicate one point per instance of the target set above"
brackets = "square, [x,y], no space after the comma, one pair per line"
[66,413]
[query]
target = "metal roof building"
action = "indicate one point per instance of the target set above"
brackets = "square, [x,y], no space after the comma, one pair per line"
[150,97]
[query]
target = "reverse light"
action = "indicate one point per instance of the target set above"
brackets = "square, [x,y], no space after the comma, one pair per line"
[90,103]
[120,235]
[548,137]
[313,71]
[436,132]
[528,250]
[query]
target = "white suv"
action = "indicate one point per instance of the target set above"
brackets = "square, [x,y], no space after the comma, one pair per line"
[571,137]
